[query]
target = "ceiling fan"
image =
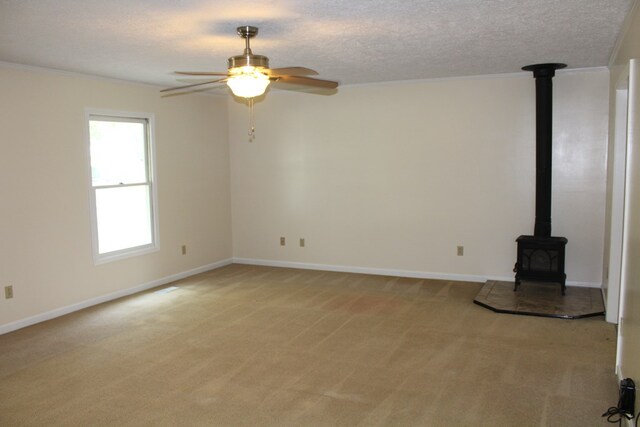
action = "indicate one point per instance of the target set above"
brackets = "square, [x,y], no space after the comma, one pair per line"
[248,75]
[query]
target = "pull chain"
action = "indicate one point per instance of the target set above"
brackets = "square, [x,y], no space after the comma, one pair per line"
[252,129]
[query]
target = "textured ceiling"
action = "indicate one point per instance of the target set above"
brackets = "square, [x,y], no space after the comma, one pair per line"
[357,41]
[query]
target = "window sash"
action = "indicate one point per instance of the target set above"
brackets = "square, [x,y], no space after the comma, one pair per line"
[151,242]
[110,173]
[123,216]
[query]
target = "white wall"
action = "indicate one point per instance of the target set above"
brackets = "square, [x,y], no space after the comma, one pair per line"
[45,233]
[629,323]
[395,176]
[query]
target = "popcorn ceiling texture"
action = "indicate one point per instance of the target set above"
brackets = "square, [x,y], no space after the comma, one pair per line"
[358,41]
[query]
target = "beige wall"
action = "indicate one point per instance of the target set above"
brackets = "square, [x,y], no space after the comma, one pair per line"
[45,226]
[629,322]
[387,177]
[393,177]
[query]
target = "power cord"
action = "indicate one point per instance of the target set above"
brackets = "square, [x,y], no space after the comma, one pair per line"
[614,412]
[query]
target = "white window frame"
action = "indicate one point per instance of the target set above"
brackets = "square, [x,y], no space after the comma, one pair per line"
[151,181]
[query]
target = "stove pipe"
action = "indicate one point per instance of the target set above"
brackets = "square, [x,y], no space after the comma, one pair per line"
[543,73]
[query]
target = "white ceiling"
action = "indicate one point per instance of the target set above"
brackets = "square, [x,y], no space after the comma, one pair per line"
[356,41]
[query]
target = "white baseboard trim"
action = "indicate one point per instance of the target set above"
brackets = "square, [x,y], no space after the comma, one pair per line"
[19,324]
[360,270]
[387,272]
[584,284]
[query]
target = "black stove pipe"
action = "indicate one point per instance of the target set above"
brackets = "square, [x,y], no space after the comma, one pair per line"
[543,73]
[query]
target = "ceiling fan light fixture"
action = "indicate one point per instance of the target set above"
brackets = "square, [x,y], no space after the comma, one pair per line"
[249,75]
[248,82]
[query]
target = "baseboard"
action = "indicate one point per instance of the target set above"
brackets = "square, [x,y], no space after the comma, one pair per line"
[360,270]
[19,324]
[584,284]
[387,272]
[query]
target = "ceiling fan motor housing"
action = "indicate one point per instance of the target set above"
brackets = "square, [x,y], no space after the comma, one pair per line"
[248,60]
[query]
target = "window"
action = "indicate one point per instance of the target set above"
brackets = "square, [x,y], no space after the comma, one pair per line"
[123,200]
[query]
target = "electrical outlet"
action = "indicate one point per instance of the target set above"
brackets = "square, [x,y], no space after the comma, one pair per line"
[184,249]
[8,292]
[282,241]
[460,250]
[302,242]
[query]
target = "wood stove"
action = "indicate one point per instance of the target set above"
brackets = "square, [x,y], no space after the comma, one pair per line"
[541,256]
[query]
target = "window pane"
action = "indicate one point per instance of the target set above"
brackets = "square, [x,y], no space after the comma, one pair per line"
[124,218]
[118,152]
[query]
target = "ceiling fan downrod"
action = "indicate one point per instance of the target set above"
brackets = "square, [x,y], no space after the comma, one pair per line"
[247,59]
[247,32]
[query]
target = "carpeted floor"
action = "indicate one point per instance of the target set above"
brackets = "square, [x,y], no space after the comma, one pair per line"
[260,346]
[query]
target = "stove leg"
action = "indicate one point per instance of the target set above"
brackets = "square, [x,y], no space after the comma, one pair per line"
[515,270]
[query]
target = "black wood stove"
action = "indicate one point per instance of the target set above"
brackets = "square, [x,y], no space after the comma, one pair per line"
[541,256]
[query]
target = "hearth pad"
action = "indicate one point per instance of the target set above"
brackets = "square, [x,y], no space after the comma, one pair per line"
[541,299]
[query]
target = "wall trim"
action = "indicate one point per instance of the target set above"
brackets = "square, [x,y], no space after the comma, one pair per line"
[23,323]
[516,74]
[624,29]
[77,74]
[388,272]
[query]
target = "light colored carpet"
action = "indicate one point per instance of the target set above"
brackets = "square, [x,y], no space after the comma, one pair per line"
[260,346]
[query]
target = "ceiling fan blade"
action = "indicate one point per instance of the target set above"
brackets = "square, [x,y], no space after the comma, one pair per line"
[201,73]
[291,71]
[193,85]
[306,81]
